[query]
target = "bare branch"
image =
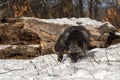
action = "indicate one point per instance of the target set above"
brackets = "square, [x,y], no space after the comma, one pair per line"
[10,70]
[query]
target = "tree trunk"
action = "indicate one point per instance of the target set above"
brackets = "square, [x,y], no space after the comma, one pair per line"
[81,7]
[67,8]
[90,6]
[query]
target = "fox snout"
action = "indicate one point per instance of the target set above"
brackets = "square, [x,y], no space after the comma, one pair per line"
[75,52]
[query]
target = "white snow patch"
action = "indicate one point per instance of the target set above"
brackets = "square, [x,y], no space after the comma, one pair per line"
[117,33]
[73,21]
[14,46]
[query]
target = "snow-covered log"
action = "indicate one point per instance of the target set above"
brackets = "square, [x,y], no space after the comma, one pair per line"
[45,32]
[51,29]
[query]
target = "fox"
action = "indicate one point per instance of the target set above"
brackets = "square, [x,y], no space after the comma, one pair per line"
[75,41]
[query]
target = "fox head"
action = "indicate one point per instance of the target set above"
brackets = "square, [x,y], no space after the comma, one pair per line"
[75,51]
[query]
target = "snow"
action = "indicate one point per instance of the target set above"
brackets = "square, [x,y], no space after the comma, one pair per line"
[99,63]
[73,21]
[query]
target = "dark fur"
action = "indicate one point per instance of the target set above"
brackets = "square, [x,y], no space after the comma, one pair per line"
[75,41]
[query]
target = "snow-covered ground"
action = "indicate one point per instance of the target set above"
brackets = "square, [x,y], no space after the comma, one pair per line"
[99,64]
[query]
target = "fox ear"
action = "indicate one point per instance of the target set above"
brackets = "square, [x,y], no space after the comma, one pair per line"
[65,37]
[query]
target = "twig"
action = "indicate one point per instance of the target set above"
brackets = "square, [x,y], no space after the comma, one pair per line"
[56,62]
[86,70]
[107,57]
[35,67]
[9,8]
[90,73]
[97,61]
[9,70]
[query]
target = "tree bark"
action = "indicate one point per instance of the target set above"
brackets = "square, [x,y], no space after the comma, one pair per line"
[90,6]
[81,7]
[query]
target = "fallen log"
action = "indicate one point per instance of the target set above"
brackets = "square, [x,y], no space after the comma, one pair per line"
[15,33]
[49,33]
[34,31]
